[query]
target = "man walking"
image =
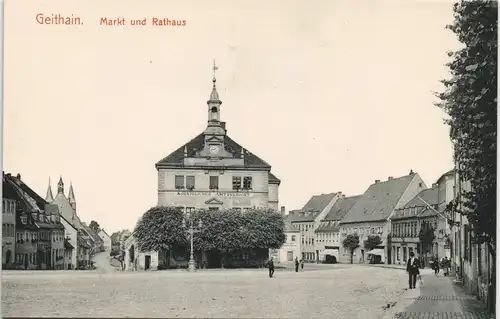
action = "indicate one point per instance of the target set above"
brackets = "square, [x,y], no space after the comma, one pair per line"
[412,268]
[270,265]
[296,264]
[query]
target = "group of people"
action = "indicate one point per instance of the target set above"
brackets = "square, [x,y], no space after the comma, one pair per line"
[413,268]
[443,264]
[270,265]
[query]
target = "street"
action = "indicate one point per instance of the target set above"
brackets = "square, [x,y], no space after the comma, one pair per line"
[326,291]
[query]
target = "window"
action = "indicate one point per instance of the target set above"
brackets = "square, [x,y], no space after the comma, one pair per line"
[398,251]
[179,182]
[247,182]
[213,208]
[236,182]
[293,237]
[214,182]
[190,182]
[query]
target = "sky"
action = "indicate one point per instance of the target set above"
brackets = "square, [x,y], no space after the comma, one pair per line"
[333,95]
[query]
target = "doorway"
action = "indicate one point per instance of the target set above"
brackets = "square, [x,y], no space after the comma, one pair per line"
[147,262]
[289,255]
[8,257]
[26,262]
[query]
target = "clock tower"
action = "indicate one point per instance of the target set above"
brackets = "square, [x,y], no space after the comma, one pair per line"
[215,132]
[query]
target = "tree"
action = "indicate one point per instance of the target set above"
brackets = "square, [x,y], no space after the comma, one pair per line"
[426,236]
[470,100]
[94,226]
[372,242]
[231,230]
[160,228]
[351,242]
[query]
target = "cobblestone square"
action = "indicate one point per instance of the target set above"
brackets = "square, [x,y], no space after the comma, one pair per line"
[341,291]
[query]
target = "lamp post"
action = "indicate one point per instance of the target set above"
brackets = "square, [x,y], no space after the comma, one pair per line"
[191,230]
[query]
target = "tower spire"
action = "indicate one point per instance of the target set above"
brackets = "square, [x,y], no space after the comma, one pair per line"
[49,197]
[60,186]
[71,196]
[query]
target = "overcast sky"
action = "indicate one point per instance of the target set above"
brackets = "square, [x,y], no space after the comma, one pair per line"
[333,95]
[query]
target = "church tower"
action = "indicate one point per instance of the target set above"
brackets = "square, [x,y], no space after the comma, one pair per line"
[215,132]
[71,196]
[49,197]
[60,186]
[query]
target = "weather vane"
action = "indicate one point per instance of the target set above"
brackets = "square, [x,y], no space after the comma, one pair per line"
[215,68]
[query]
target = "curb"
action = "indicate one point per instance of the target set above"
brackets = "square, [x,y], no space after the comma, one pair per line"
[406,299]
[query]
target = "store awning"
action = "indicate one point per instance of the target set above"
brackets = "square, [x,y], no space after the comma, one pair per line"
[377,251]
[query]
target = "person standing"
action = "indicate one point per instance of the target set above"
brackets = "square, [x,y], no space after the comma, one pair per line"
[270,265]
[435,266]
[302,264]
[296,264]
[446,266]
[412,268]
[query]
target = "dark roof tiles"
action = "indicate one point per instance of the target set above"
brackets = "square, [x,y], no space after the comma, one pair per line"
[341,208]
[379,200]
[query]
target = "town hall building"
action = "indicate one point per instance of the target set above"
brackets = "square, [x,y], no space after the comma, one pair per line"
[214,172]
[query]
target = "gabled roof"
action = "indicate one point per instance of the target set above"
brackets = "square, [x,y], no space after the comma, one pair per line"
[341,208]
[314,206]
[176,158]
[379,200]
[416,207]
[62,217]
[95,238]
[448,173]
[81,241]
[273,179]
[289,228]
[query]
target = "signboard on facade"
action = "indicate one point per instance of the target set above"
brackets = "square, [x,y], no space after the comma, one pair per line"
[224,194]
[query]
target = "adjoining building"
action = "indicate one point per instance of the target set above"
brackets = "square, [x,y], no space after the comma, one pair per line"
[291,249]
[9,208]
[406,223]
[327,235]
[211,171]
[370,214]
[105,239]
[309,218]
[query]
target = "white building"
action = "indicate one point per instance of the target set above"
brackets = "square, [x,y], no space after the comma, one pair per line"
[106,239]
[70,233]
[211,171]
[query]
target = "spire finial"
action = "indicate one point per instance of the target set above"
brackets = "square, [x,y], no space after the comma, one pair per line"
[214,68]
[49,197]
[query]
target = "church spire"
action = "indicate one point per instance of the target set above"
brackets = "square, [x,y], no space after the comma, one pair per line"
[49,197]
[60,186]
[71,194]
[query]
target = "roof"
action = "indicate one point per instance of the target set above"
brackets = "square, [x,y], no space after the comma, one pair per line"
[328,226]
[176,158]
[416,207]
[81,241]
[62,217]
[95,238]
[273,179]
[67,244]
[379,200]
[448,173]
[9,191]
[289,228]
[341,208]
[314,206]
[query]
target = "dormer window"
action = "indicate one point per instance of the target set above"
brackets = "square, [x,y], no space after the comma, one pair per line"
[24,218]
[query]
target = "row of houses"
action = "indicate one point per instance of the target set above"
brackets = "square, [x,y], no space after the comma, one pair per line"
[394,210]
[40,233]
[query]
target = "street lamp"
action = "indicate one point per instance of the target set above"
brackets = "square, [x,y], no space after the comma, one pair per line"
[192,229]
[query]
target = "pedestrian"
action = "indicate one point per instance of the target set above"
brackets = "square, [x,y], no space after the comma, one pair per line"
[446,266]
[412,268]
[270,265]
[435,266]
[296,264]
[302,264]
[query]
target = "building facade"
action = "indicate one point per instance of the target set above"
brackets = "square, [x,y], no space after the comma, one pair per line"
[370,215]
[8,229]
[211,171]
[327,235]
[70,235]
[308,219]
[291,249]
[105,239]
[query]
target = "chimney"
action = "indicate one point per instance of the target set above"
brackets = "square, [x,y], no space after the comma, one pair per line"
[411,172]
[283,210]
[18,176]
[377,181]
[390,177]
